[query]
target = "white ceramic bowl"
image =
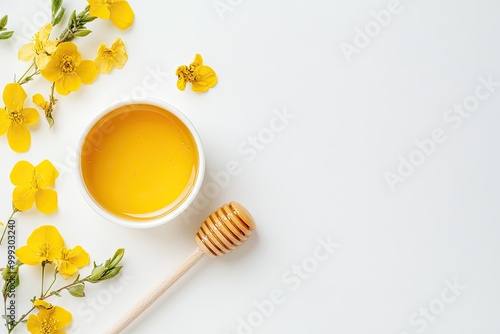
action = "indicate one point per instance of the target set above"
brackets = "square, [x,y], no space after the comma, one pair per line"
[155,221]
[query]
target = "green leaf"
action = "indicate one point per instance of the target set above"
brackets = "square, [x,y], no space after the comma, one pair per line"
[111,273]
[77,290]
[72,20]
[97,273]
[50,120]
[6,34]
[77,278]
[56,5]
[58,17]
[117,257]
[3,21]
[82,33]
[88,18]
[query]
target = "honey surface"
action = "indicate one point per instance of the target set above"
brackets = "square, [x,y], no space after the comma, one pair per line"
[139,162]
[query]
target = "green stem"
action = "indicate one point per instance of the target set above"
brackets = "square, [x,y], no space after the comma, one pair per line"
[19,81]
[44,297]
[21,319]
[67,33]
[55,292]
[5,313]
[5,229]
[43,277]
[51,284]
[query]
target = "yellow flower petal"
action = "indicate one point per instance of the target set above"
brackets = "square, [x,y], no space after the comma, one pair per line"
[120,60]
[23,198]
[22,174]
[67,48]
[27,256]
[206,79]
[87,71]
[42,304]
[120,54]
[19,137]
[68,84]
[118,45]
[66,269]
[51,71]
[39,100]
[181,83]
[42,60]
[26,52]
[51,46]
[63,318]
[4,121]
[121,14]
[46,200]
[99,9]
[198,61]
[80,257]
[33,325]
[30,116]
[103,65]
[45,32]
[14,96]
[46,174]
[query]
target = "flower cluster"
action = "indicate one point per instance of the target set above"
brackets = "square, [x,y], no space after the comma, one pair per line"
[46,247]
[60,62]
[55,58]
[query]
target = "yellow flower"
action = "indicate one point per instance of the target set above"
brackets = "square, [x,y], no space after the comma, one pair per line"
[109,58]
[44,244]
[67,69]
[201,77]
[31,186]
[69,260]
[49,320]
[14,118]
[40,48]
[118,11]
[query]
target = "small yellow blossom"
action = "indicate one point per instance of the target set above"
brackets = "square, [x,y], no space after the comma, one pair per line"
[67,69]
[14,118]
[200,76]
[49,320]
[39,100]
[109,58]
[118,11]
[31,186]
[69,260]
[44,244]
[40,48]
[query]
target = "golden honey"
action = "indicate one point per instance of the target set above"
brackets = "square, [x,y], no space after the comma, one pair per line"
[139,162]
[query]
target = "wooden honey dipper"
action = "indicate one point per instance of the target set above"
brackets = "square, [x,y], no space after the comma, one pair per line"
[222,232]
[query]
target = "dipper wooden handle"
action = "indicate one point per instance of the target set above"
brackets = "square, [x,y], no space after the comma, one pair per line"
[222,232]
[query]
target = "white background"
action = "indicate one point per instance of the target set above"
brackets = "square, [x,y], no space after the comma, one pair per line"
[323,176]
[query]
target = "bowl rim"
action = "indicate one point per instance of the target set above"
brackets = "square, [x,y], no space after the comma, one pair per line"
[153,222]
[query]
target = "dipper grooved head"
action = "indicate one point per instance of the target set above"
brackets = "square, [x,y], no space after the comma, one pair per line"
[225,229]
